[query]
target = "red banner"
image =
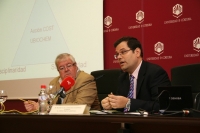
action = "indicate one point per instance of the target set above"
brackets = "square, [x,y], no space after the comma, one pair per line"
[167,30]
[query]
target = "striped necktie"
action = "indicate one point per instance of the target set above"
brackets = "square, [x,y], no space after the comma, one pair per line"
[131,90]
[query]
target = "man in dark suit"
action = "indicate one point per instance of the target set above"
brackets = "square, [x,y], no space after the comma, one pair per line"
[147,77]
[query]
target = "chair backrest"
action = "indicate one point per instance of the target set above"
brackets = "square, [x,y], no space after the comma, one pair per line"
[187,75]
[108,83]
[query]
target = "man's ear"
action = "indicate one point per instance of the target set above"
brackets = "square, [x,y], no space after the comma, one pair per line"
[138,52]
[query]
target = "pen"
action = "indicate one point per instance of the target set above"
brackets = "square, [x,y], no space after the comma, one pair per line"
[22,99]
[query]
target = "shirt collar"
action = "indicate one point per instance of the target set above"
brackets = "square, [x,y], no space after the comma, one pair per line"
[135,73]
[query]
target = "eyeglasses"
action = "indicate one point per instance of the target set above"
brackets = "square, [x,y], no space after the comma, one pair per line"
[121,53]
[68,66]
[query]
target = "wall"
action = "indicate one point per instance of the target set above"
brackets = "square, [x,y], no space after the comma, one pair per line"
[168,30]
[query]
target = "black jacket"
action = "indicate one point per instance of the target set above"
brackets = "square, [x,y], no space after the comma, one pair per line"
[150,76]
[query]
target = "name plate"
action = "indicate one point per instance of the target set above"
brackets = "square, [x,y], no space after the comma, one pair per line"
[64,109]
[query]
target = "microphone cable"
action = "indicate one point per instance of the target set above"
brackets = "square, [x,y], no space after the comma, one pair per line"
[3,110]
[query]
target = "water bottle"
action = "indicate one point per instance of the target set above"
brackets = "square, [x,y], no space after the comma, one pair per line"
[43,101]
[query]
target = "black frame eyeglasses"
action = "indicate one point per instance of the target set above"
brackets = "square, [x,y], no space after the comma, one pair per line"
[121,53]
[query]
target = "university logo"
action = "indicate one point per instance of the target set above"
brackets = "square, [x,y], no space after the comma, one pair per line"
[139,16]
[177,10]
[159,48]
[108,22]
[196,44]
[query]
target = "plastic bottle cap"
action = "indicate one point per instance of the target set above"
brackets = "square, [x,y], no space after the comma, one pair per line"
[43,86]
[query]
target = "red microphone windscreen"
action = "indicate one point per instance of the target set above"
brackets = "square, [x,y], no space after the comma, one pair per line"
[67,83]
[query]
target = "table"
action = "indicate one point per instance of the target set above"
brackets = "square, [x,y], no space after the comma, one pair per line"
[96,124]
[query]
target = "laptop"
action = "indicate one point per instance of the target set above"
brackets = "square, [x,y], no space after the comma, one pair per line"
[175,98]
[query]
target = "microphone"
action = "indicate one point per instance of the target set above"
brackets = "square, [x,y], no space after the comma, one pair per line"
[95,79]
[157,101]
[66,84]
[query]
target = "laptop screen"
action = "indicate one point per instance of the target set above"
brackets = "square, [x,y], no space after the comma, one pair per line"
[175,98]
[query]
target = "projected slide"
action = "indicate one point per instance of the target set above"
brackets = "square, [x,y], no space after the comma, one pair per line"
[34,32]
[42,39]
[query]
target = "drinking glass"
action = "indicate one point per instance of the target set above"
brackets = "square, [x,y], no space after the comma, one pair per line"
[51,95]
[3,97]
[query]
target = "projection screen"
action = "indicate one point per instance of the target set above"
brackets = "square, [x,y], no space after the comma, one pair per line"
[34,32]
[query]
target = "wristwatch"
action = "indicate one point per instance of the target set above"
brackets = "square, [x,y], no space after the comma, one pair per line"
[128,105]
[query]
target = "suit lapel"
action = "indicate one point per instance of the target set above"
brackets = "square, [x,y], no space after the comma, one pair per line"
[125,86]
[141,76]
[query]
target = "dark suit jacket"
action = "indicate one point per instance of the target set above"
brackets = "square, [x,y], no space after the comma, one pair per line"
[150,76]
